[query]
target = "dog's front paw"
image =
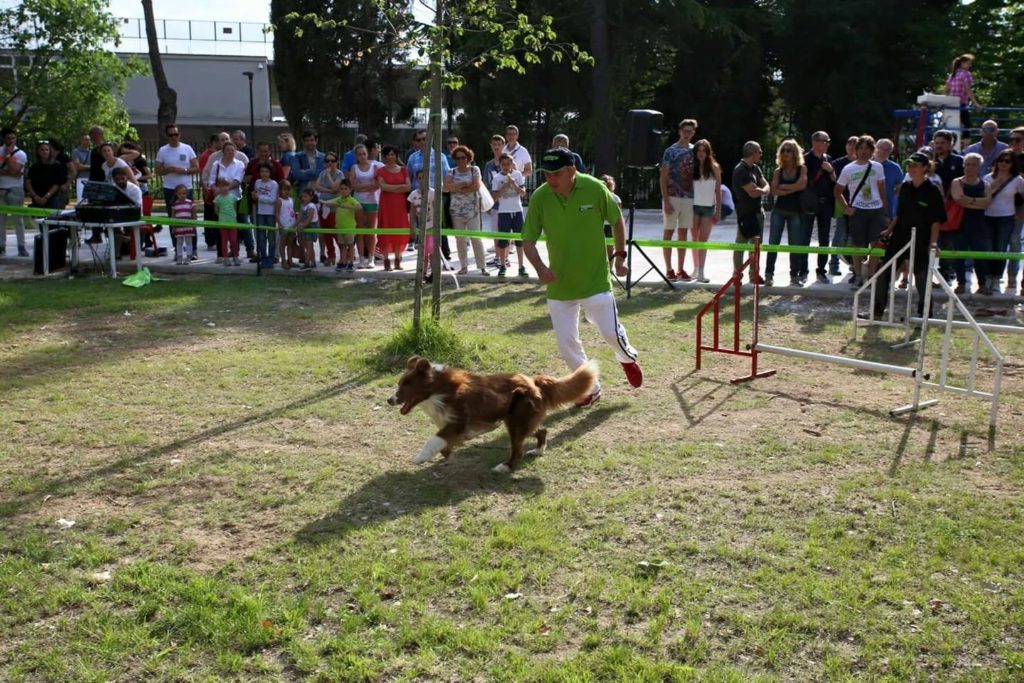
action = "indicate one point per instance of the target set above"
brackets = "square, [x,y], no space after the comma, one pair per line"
[432,447]
[422,458]
[502,468]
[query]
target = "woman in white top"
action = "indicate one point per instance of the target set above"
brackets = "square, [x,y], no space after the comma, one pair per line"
[1001,186]
[112,161]
[228,167]
[707,200]
[363,179]
[463,182]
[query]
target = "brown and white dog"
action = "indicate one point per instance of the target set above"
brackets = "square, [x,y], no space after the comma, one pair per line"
[466,404]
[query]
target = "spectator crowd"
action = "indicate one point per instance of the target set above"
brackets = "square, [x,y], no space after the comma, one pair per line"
[858,199]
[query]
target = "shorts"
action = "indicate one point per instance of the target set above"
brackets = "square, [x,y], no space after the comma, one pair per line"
[509,222]
[346,238]
[864,227]
[310,236]
[704,211]
[369,208]
[681,217]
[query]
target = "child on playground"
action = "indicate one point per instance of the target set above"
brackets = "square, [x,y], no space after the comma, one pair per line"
[348,211]
[284,210]
[225,205]
[508,188]
[264,194]
[415,200]
[183,209]
[309,218]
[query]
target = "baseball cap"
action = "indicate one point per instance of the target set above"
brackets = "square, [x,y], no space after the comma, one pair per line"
[555,160]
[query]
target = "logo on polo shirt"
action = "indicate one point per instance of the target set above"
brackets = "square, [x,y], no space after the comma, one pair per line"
[586,207]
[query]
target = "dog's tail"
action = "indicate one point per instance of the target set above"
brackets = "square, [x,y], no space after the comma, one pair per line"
[568,389]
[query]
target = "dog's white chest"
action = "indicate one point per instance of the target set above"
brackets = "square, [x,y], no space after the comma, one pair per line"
[437,410]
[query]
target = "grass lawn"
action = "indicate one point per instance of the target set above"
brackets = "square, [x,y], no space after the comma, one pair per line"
[245,507]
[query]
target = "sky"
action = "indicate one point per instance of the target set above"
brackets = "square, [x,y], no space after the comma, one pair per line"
[221,10]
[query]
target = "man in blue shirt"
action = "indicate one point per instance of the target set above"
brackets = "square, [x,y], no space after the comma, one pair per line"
[415,161]
[349,159]
[988,147]
[893,173]
[950,164]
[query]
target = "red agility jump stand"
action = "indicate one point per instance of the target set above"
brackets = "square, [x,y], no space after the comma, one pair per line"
[749,350]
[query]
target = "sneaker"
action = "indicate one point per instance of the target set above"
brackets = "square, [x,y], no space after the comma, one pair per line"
[769,280]
[522,272]
[22,251]
[236,261]
[193,257]
[823,277]
[226,262]
[756,279]
[340,267]
[795,282]
[307,266]
[703,279]
[493,263]
[671,275]
[501,273]
[634,374]
[684,276]
[589,399]
[835,272]
[484,271]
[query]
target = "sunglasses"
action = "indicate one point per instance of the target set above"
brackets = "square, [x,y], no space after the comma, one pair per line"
[453,142]
[1016,139]
[460,157]
[989,130]
[332,161]
[1004,161]
[822,140]
[174,135]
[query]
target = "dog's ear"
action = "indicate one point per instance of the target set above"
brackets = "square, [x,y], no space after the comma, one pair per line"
[422,365]
[411,363]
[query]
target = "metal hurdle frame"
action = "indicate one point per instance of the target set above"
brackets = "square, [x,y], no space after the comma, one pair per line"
[979,338]
[755,347]
[870,285]
[750,350]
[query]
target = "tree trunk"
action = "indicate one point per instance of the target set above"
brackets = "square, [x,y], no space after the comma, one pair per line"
[167,109]
[604,140]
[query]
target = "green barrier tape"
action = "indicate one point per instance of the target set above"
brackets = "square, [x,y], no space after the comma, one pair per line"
[477,234]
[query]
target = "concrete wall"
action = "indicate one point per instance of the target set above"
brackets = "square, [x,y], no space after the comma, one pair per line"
[211,91]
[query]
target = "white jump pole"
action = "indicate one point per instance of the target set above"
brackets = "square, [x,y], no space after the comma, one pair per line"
[839,360]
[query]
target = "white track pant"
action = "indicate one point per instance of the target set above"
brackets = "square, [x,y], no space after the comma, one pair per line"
[601,312]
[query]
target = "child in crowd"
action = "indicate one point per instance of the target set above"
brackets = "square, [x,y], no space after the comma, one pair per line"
[309,218]
[264,195]
[609,182]
[183,209]
[284,210]
[225,205]
[508,188]
[347,211]
[415,200]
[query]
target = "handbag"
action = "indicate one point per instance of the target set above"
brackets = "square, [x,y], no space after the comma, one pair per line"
[486,200]
[954,216]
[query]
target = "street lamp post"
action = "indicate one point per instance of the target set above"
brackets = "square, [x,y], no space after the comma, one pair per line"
[252,113]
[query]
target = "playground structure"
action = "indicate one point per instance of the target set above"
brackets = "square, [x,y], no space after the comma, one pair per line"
[916,372]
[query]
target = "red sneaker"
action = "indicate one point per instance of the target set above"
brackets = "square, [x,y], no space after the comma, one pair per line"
[671,275]
[634,374]
[589,399]
[684,276]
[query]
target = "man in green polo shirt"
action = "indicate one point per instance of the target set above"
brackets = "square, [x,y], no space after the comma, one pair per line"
[571,209]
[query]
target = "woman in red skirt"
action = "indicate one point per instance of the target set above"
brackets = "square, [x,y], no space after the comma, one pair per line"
[393,213]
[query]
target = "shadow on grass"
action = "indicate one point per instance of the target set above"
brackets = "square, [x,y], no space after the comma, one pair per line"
[63,486]
[682,389]
[446,483]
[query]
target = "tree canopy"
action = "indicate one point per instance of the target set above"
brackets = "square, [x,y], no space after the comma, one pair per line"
[746,70]
[63,78]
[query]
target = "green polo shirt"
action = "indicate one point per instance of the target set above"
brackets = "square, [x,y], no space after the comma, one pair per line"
[574,229]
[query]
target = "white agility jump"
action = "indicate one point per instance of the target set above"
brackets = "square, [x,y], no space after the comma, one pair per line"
[917,372]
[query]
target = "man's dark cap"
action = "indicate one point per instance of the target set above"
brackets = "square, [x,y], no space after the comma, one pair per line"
[555,160]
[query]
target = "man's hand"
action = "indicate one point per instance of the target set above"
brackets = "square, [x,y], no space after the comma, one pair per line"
[546,275]
[935,246]
[849,210]
[666,206]
[620,266]
[826,167]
